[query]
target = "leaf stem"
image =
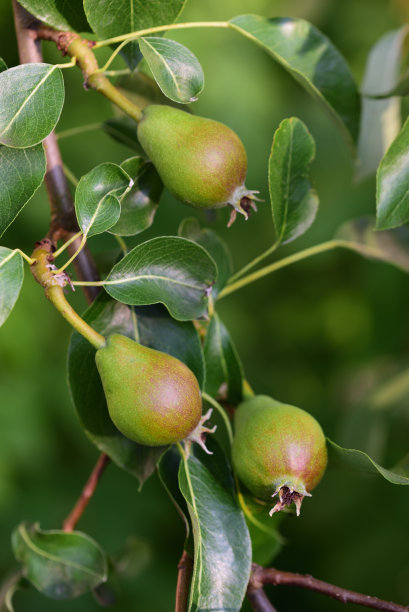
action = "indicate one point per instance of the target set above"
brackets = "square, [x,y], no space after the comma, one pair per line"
[14,252]
[254,262]
[286,261]
[81,129]
[71,259]
[162,28]
[222,413]
[66,244]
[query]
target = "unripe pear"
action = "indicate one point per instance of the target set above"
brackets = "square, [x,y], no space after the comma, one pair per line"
[153,398]
[278,449]
[202,162]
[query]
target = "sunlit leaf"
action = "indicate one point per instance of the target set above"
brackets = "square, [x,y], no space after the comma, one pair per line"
[313,61]
[60,15]
[175,68]
[11,279]
[294,203]
[21,173]
[31,100]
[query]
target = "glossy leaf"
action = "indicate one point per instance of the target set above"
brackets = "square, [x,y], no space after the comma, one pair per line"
[11,279]
[98,197]
[294,202]
[110,19]
[139,204]
[21,173]
[311,58]
[31,100]
[214,245]
[266,541]
[169,270]
[60,15]
[222,559]
[158,330]
[3,65]
[107,317]
[61,565]
[175,68]
[359,461]
[123,130]
[381,119]
[224,376]
[391,246]
[392,183]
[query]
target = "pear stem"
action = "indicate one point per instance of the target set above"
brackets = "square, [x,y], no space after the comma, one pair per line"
[208,398]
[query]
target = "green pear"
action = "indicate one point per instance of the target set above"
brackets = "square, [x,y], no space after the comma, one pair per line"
[202,162]
[278,449]
[153,398]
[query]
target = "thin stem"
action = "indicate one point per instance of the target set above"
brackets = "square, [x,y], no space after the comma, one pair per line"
[282,263]
[254,262]
[185,570]
[113,56]
[71,259]
[122,244]
[81,129]
[261,576]
[222,413]
[163,28]
[70,175]
[66,244]
[86,494]
[14,252]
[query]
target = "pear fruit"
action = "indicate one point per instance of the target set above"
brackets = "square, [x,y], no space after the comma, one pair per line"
[278,449]
[202,162]
[153,398]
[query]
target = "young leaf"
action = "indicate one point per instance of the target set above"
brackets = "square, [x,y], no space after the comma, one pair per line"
[59,15]
[392,183]
[3,65]
[173,271]
[31,100]
[294,202]
[11,279]
[223,365]
[214,245]
[60,565]
[110,19]
[21,173]
[175,68]
[107,317]
[313,61]
[361,462]
[139,204]
[123,130]
[391,246]
[381,119]
[98,197]
[222,559]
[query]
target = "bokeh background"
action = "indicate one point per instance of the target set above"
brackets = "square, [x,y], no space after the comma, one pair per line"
[322,334]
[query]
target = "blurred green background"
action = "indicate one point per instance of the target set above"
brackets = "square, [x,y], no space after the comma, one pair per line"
[321,334]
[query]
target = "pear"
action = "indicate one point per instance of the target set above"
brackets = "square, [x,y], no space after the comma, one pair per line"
[153,398]
[202,162]
[278,449]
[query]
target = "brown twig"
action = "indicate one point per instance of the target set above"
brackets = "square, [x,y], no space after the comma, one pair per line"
[86,494]
[185,569]
[63,222]
[259,600]
[261,576]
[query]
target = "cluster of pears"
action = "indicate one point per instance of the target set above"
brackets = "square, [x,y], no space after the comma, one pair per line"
[202,162]
[278,449]
[153,398]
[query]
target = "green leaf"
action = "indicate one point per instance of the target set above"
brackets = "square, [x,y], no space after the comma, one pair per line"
[123,130]
[21,173]
[61,565]
[3,65]
[107,317]
[294,202]
[109,19]
[361,462]
[31,100]
[391,246]
[158,330]
[98,197]
[222,559]
[168,470]
[381,119]
[169,270]
[392,183]
[11,279]
[139,204]
[214,245]
[224,374]
[313,61]
[266,541]
[60,15]
[175,68]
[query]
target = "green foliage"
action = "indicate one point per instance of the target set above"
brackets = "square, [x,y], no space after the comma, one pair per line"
[11,279]
[59,15]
